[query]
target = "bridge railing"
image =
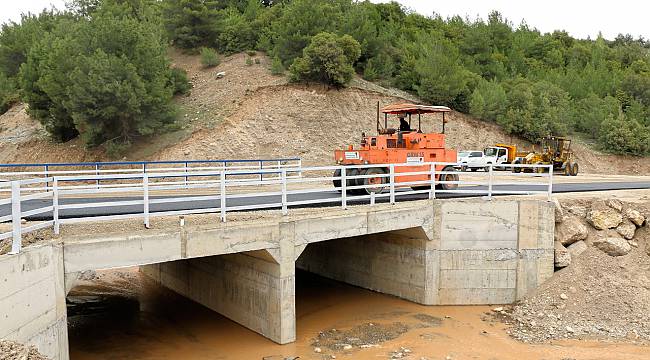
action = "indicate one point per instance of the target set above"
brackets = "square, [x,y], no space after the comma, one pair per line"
[143,195]
[9,172]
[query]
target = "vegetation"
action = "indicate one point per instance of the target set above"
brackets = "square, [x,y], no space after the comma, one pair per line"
[529,82]
[209,57]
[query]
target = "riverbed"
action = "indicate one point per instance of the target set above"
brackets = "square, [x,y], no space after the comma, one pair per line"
[120,314]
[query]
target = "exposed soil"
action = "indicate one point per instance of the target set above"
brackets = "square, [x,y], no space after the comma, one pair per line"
[250,113]
[597,296]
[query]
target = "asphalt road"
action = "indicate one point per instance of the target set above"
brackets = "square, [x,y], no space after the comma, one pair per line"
[332,194]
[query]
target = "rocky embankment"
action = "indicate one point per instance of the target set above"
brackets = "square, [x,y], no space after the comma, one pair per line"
[10,350]
[601,288]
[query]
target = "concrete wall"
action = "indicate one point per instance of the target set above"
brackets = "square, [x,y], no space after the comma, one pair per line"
[250,289]
[32,300]
[480,252]
[399,263]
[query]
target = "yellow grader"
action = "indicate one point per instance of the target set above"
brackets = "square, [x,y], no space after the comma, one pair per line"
[555,151]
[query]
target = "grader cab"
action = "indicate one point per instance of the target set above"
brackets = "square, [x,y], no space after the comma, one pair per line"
[403,144]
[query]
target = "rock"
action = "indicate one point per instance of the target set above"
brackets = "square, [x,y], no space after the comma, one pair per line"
[317,350]
[615,204]
[577,248]
[220,74]
[562,256]
[604,218]
[569,329]
[613,246]
[186,152]
[580,211]
[498,309]
[626,230]
[570,230]
[347,346]
[563,296]
[23,221]
[559,212]
[635,217]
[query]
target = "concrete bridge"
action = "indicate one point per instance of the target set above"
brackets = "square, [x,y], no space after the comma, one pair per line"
[431,252]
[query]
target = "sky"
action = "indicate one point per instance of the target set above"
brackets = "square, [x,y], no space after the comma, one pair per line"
[581,18]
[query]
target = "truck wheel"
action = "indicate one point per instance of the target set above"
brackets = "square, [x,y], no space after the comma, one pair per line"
[337,182]
[487,168]
[349,172]
[539,170]
[574,169]
[516,169]
[448,177]
[474,169]
[463,168]
[377,184]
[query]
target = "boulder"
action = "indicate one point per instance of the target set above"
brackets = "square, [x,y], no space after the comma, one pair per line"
[613,246]
[570,231]
[602,219]
[626,229]
[580,211]
[562,256]
[559,211]
[635,217]
[577,248]
[615,204]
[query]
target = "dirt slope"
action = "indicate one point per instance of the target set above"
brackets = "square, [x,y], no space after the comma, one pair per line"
[250,113]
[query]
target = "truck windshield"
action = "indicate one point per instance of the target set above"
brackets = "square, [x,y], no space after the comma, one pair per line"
[491,151]
[476,154]
[463,153]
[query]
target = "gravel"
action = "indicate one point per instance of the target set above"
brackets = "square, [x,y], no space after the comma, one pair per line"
[10,350]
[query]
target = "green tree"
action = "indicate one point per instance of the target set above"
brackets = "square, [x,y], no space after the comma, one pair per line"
[192,23]
[488,101]
[105,77]
[327,59]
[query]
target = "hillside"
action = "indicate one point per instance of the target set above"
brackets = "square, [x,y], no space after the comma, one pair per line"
[250,113]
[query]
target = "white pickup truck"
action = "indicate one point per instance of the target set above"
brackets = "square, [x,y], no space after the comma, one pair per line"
[475,159]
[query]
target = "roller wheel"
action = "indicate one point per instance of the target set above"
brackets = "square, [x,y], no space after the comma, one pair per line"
[337,182]
[568,167]
[574,169]
[378,184]
[448,177]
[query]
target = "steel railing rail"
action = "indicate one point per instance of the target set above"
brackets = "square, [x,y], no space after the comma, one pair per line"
[233,189]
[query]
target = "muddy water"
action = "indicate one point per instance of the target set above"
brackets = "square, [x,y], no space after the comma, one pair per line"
[121,315]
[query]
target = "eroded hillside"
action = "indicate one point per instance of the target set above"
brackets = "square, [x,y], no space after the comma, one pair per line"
[250,113]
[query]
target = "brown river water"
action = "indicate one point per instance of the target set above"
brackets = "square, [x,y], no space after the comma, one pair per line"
[122,315]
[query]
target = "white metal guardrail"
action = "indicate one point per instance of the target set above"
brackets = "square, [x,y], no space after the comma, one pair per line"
[226,190]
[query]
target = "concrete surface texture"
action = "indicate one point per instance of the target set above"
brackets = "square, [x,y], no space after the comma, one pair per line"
[32,300]
[430,252]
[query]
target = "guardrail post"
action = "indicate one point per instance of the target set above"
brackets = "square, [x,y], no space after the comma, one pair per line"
[490,180]
[47,183]
[432,192]
[279,165]
[16,218]
[261,168]
[55,205]
[97,174]
[372,198]
[392,183]
[550,182]
[145,195]
[344,190]
[222,195]
[185,171]
[284,192]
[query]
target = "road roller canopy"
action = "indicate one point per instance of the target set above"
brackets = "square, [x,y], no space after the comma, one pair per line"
[408,108]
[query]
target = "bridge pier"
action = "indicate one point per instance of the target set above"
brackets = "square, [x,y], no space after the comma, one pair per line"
[252,289]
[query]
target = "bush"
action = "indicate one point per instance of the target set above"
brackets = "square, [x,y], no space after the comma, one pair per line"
[178,81]
[209,57]
[249,61]
[624,136]
[116,149]
[327,59]
[258,61]
[251,53]
[276,66]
